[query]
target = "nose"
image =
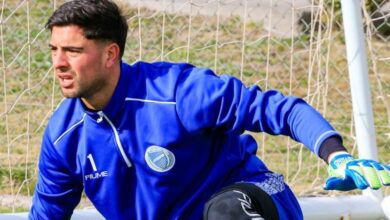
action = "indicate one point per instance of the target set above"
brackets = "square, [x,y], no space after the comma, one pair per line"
[60,61]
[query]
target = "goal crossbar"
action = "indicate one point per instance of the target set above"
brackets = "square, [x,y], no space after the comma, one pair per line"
[357,207]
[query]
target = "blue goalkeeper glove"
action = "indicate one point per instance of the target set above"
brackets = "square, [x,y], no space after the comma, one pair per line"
[347,173]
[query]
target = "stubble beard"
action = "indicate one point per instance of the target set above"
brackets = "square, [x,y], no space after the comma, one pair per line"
[86,90]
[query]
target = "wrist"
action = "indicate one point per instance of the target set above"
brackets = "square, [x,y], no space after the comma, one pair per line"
[330,145]
[335,154]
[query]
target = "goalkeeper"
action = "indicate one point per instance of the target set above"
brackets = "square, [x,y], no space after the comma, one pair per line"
[166,140]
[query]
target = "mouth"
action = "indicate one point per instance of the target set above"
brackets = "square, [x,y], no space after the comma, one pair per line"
[66,81]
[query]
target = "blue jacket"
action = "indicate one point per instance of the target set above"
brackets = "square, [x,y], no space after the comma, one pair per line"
[170,137]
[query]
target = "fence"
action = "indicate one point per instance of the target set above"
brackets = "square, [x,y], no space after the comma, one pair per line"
[296,46]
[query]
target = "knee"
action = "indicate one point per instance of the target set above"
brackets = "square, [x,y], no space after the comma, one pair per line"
[240,201]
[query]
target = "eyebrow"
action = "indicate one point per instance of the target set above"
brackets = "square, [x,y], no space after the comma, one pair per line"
[68,48]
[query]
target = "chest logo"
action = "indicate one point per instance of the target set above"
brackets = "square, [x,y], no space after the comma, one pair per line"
[95,174]
[159,159]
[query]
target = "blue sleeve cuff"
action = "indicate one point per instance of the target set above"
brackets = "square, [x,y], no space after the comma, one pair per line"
[320,140]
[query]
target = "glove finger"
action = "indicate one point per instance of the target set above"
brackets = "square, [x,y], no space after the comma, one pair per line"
[331,183]
[357,175]
[336,183]
[383,173]
[371,173]
[365,174]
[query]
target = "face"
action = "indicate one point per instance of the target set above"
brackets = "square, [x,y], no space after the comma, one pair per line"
[79,63]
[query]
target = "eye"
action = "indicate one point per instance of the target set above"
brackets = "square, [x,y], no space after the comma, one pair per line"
[74,51]
[53,50]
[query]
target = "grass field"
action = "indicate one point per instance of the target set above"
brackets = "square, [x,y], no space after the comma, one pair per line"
[312,66]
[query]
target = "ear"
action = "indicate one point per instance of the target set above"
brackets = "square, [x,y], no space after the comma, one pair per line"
[112,54]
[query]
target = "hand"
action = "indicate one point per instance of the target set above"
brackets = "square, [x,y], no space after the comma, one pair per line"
[347,173]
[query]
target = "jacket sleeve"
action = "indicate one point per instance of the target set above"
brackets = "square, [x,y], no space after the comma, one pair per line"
[207,101]
[57,191]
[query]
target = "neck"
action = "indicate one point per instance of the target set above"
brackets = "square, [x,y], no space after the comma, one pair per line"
[98,100]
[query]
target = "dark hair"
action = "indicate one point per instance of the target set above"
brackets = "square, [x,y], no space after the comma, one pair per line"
[99,19]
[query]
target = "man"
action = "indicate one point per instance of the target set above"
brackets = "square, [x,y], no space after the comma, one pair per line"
[165,141]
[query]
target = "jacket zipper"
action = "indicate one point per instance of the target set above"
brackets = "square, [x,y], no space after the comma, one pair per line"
[117,139]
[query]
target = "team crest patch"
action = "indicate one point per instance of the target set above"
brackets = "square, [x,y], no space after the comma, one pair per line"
[159,159]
